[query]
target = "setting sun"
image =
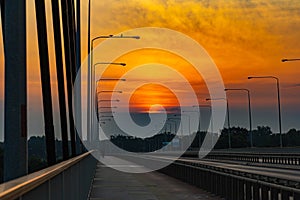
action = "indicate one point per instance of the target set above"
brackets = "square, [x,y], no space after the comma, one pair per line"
[151,98]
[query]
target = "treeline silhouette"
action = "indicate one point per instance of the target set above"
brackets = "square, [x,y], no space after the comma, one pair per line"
[262,137]
[240,138]
[136,144]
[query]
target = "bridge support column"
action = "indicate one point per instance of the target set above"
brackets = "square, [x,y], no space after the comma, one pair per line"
[15,113]
[45,79]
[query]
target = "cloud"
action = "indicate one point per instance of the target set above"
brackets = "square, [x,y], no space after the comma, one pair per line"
[240,23]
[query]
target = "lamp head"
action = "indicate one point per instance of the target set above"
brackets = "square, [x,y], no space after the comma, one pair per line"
[123,64]
[250,77]
[284,60]
[208,99]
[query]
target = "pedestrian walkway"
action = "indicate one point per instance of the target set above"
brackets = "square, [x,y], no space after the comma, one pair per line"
[111,184]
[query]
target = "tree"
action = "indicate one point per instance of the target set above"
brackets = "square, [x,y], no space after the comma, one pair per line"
[238,138]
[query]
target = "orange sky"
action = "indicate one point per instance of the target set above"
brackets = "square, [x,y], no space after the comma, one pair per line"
[242,37]
[151,94]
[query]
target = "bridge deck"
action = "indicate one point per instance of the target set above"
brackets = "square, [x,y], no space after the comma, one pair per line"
[115,185]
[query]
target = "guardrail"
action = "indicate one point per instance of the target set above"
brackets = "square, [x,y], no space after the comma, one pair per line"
[68,180]
[230,186]
[270,158]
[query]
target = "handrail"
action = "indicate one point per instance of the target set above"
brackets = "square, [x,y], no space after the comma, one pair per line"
[281,187]
[20,186]
[246,153]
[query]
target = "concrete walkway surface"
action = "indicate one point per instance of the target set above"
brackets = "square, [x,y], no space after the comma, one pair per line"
[111,184]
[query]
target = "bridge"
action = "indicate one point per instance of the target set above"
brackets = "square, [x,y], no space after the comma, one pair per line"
[83,177]
[243,174]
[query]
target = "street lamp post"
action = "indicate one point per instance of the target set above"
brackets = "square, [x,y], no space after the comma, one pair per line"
[101,107]
[105,107]
[96,103]
[107,79]
[106,91]
[199,125]
[91,56]
[189,118]
[186,111]
[249,110]
[106,100]
[90,104]
[166,128]
[278,100]
[175,125]
[174,119]
[90,88]
[228,118]
[91,52]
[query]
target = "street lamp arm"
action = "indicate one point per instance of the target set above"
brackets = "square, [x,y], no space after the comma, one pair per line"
[173,118]
[290,59]
[187,111]
[106,112]
[209,99]
[116,100]
[114,36]
[105,119]
[237,89]
[202,106]
[109,91]
[102,36]
[109,63]
[274,77]
[111,79]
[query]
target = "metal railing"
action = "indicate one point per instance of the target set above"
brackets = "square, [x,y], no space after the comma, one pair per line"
[70,179]
[230,186]
[269,158]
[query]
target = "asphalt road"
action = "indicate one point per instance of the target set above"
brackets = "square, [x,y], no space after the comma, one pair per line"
[286,174]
